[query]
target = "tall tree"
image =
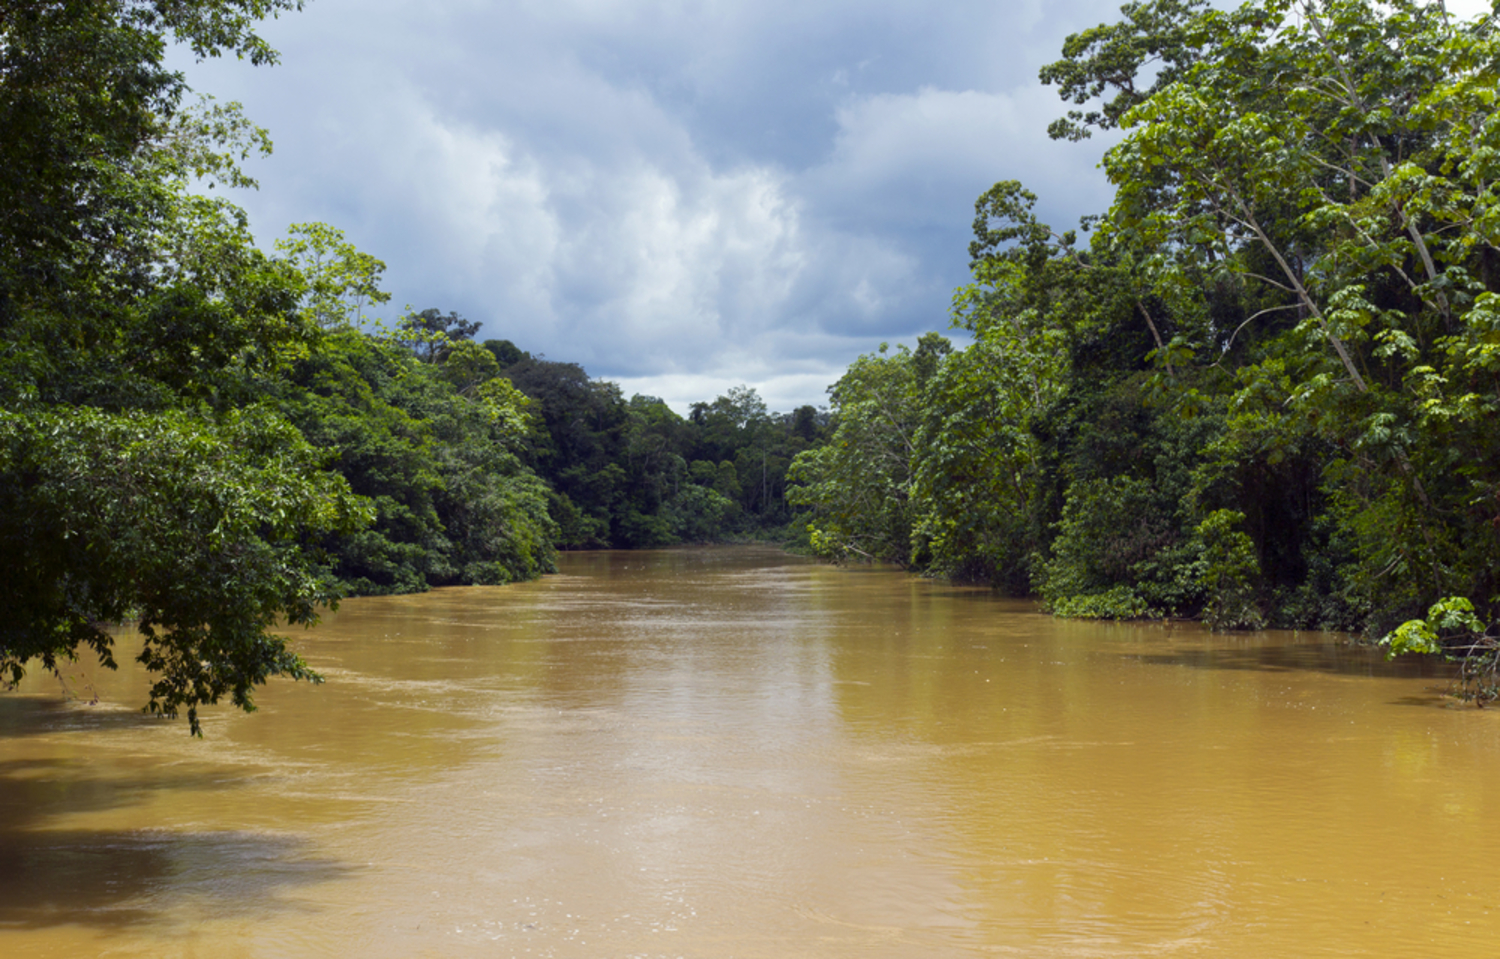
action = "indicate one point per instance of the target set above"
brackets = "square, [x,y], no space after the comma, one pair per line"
[857,488]
[1334,158]
[431,333]
[141,478]
[340,280]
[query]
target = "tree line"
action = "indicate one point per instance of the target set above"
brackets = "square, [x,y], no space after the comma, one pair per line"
[1259,389]
[1262,387]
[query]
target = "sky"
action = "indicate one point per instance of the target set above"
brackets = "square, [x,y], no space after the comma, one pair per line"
[681,195]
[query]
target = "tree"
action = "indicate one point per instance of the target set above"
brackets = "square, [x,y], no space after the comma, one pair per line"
[431,333]
[468,366]
[975,482]
[1335,159]
[1264,390]
[1156,37]
[202,530]
[340,280]
[436,455]
[505,352]
[857,488]
[93,143]
[142,473]
[579,448]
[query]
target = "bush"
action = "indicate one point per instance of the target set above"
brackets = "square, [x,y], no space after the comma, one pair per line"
[1231,574]
[1121,602]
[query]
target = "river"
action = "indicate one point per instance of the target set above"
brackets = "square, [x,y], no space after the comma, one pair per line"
[739,753]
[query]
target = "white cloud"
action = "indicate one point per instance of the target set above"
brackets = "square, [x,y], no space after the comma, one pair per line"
[1468,8]
[690,194]
[926,155]
[782,392]
[679,263]
[931,129]
[632,266]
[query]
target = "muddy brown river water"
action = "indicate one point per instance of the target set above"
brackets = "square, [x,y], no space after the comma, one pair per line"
[739,753]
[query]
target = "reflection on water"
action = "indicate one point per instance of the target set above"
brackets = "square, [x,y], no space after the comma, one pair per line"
[734,752]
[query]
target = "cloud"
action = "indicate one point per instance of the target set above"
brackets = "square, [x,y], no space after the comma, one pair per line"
[673,193]
[908,168]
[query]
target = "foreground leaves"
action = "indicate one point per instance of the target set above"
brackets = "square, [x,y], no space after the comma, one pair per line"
[199,528]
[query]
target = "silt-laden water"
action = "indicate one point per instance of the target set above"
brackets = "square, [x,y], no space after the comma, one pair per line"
[739,753]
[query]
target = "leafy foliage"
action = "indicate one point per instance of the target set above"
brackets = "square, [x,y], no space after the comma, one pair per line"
[339,281]
[199,528]
[635,474]
[194,436]
[453,503]
[858,487]
[1451,629]
[1263,391]
[1232,568]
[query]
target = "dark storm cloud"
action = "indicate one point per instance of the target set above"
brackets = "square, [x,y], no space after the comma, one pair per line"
[680,196]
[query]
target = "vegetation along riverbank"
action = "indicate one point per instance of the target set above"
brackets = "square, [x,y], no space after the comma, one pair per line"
[1261,388]
[212,440]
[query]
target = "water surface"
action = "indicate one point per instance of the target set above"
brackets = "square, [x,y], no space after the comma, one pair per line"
[738,753]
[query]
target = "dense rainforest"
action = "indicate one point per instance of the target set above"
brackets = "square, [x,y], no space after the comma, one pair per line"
[1262,387]
[1259,389]
[214,441]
